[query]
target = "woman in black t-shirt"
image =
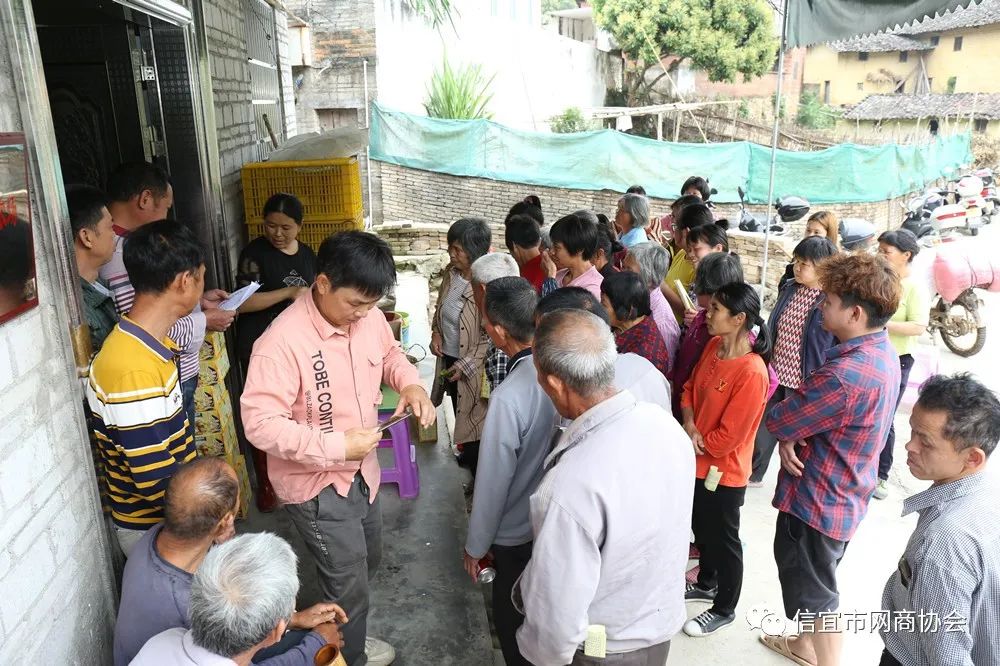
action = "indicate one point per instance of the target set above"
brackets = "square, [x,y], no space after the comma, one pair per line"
[285,269]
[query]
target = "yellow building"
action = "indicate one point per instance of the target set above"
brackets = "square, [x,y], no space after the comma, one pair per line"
[954,53]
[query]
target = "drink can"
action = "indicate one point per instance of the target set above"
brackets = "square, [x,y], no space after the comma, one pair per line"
[486,572]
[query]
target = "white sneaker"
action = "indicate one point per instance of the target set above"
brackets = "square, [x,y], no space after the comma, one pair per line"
[379,653]
[882,489]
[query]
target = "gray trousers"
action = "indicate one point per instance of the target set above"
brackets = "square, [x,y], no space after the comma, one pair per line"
[344,535]
[654,655]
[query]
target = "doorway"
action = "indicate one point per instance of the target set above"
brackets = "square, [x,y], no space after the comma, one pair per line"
[119,84]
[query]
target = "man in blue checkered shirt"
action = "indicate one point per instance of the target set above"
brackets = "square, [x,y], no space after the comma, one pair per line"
[943,596]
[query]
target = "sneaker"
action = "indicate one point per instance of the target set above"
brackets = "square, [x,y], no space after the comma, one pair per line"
[882,489]
[379,653]
[707,624]
[692,592]
[755,484]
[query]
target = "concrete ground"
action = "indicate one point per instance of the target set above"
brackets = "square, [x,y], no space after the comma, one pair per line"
[426,606]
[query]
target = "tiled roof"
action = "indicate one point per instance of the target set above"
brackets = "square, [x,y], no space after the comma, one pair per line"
[902,106]
[880,43]
[986,12]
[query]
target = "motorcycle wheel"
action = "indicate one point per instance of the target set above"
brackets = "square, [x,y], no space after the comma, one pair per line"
[962,331]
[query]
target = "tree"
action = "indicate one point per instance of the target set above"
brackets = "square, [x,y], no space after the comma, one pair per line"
[720,37]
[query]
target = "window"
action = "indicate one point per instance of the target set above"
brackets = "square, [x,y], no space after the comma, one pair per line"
[903,56]
[980,125]
[861,85]
[935,40]
[958,43]
[930,84]
[862,55]
[933,125]
[952,82]
[826,92]
[900,86]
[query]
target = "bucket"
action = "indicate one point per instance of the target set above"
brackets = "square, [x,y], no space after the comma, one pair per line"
[404,328]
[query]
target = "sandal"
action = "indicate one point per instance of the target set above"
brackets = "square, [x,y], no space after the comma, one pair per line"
[779,644]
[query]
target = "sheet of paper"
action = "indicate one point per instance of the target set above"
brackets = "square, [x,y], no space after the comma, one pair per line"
[239,297]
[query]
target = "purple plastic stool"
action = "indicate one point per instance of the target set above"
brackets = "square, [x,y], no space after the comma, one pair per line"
[405,473]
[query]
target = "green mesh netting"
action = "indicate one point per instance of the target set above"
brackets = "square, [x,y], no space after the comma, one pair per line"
[612,160]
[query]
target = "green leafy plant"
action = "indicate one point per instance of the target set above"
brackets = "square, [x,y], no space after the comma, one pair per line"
[781,108]
[813,114]
[435,12]
[743,110]
[723,38]
[459,93]
[569,121]
[952,83]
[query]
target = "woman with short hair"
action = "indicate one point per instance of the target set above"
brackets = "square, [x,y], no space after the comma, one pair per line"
[570,262]
[631,219]
[899,247]
[626,299]
[458,338]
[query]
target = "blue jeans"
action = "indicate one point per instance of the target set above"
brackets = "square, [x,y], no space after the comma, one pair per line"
[188,388]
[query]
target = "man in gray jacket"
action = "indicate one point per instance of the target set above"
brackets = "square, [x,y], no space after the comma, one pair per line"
[515,441]
[612,515]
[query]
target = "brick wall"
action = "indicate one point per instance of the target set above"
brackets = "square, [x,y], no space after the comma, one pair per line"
[55,578]
[234,121]
[419,205]
[425,196]
[343,37]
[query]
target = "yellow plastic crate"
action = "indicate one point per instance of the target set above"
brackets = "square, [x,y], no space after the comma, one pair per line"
[328,189]
[313,233]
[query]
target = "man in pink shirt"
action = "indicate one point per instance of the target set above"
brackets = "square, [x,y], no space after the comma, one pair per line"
[311,403]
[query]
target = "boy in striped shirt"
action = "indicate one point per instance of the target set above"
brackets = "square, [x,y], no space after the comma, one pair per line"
[134,392]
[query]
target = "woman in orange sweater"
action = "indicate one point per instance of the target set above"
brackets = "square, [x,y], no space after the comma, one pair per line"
[722,405]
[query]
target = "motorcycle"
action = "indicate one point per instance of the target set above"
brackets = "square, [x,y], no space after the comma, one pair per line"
[789,209]
[940,212]
[954,272]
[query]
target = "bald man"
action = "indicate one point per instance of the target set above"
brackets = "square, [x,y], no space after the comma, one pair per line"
[200,508]
[612,514]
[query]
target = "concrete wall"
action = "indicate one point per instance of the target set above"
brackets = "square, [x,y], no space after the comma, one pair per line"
[538,74]
[848,75]
[56,599]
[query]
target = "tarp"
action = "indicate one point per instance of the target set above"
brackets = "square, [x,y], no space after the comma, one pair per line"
[815,21]
[607,159]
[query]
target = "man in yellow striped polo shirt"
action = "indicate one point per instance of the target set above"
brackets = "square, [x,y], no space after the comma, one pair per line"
[134,393]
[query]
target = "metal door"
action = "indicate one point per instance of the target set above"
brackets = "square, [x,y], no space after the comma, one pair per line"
[265,79]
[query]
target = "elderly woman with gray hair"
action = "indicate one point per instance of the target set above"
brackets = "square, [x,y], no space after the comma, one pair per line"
[651,261]
[616,495]
[458,338]
[631,219]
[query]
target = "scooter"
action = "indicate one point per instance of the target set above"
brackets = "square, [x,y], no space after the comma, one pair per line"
[991,201]
[917,218]
[790,209]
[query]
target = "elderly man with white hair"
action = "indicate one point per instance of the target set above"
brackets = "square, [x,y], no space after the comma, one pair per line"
[612,515]
[242,599]
[485,269]
[651,261]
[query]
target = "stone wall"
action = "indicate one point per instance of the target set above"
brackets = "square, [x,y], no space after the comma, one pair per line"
[425,196]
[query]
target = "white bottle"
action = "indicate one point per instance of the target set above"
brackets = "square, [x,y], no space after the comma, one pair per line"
[712,478]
